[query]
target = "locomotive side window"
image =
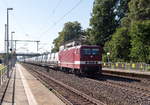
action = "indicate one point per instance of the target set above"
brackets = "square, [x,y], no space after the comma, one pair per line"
[95,51]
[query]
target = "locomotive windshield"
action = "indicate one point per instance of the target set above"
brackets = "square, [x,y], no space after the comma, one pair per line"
[86,51]
[90,51]
[95,51]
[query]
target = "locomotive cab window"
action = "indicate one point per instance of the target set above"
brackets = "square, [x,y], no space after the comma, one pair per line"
[86,51]
[95,51]
[90,51]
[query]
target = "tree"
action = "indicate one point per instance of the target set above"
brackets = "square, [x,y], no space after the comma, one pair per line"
[134,25]
[57,42]
[71,30]
[121,10]
[119,45]
[103,21]
[139,15]
[140,35]
[139,10]
[87,33]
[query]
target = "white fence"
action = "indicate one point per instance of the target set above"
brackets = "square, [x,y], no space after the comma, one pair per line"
[3,75]
[127,66]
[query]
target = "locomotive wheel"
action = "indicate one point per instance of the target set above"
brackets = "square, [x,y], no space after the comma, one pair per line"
[76,71]
[67,70]
[72,70]
[80,71]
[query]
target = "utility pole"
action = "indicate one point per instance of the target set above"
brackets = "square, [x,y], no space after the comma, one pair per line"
[5,44]
[38,46]
[15,45]
[8,40]
[12,40]
[12,50]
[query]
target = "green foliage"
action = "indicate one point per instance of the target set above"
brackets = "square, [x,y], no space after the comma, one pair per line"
[104,58]
[125,22]
[89,36]
[103,21]
[139,10]
[70,31]
[131,41]
[140,41]
[119,45]
[57,42]
[121,9]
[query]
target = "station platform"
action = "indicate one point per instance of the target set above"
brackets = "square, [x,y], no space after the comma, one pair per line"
[24,89]
[128,72]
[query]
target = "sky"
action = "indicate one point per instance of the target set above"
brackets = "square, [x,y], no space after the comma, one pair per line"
[41,20]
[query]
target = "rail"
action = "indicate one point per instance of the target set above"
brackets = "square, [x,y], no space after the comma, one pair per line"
[3,74]
[127,66]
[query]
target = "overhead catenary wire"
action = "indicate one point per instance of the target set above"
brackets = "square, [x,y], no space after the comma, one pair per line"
[67,13]
[57,5]
[15,23]
[52,14]
[61,18]
[54,24]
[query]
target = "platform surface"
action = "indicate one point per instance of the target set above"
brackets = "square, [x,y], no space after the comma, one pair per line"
[128,71]
[24,89]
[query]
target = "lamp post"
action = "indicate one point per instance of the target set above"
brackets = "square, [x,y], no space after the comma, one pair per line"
[5,40]
[37,45]
[12,40]
[8,40]
[12,51]
[108,54]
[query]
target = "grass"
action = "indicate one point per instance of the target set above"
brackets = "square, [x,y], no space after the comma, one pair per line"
[1,66]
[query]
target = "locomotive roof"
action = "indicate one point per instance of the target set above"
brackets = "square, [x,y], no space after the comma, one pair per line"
[79,46]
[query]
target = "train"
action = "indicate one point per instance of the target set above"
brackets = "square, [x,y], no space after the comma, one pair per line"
[78,59]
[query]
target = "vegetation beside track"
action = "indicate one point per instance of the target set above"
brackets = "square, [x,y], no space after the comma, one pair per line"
[127,66]
[2,66]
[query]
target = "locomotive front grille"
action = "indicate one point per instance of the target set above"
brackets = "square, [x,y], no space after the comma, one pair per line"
[90,69]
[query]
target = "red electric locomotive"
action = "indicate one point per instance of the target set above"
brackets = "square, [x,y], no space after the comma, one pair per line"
[80,58]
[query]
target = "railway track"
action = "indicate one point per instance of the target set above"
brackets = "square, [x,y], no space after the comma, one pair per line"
[142,90]
[74,96]
[127,90]
[126,74]
[138,79]
[138,91]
